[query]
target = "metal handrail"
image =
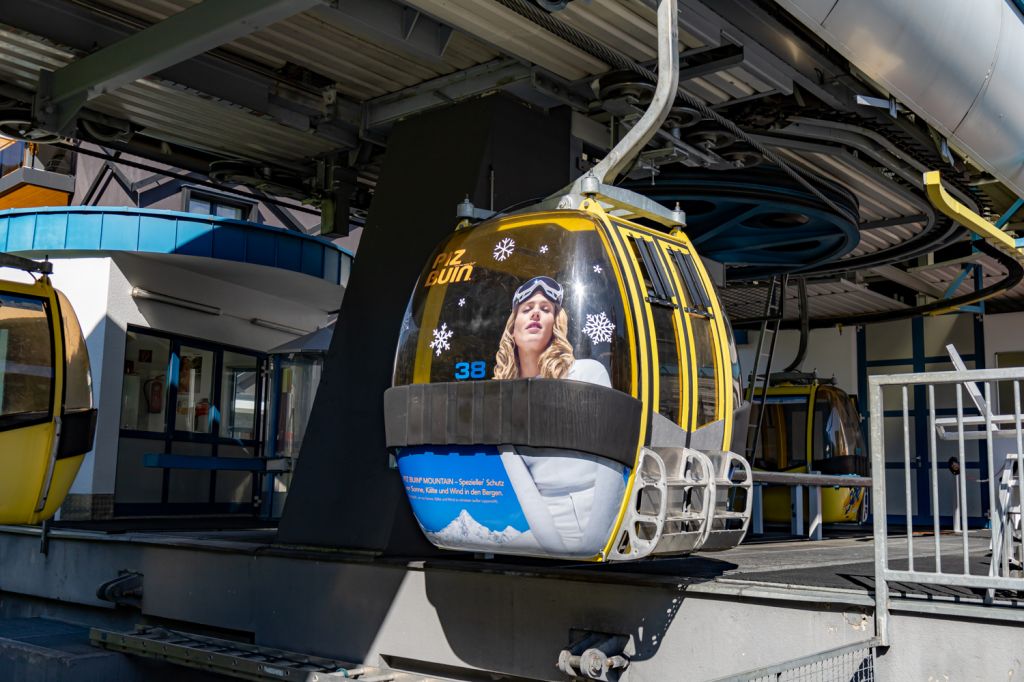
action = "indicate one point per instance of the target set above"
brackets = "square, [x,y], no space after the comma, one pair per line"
[1003,486]
[783,478]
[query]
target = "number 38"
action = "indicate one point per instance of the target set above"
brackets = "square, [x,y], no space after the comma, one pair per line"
[470,370]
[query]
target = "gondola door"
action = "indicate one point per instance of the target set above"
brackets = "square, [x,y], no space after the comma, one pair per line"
[712,413]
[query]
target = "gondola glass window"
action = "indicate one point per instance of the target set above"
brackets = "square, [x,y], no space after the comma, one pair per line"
[783,434]
[659,294]
[185,399]
[26,360]
[459,317]
[700,324]
[836,422]
[78,378]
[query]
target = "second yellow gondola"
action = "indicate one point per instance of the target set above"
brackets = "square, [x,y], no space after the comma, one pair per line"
[811,425]
[47,419]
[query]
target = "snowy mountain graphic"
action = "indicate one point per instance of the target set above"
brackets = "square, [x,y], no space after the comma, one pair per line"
[465,532]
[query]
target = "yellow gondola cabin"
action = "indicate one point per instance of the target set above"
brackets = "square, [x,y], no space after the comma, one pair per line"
[563,387]
[810,425]
[47,419]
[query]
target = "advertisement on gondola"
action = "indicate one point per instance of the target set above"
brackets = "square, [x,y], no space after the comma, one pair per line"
[515,301]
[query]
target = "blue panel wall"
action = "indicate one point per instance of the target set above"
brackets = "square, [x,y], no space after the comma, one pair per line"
[90,228]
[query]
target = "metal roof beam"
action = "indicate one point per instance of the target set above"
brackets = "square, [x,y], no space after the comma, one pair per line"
[392,25]
[866,292]
[445,90]
[903,278]
[179,37]
[226,76]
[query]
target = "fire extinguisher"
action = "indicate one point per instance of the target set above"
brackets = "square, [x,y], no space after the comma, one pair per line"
[154,392]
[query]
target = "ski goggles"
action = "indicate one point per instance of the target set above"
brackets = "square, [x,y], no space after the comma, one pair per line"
[551,289]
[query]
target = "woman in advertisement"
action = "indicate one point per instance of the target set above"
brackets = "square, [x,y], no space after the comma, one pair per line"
[535,343]
[570,499]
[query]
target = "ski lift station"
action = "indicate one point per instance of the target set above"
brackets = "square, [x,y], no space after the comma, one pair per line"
[620,340]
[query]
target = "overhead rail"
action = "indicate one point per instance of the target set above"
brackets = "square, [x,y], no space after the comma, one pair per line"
[952,208]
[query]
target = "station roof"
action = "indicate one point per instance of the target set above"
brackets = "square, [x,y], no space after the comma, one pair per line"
[280,90]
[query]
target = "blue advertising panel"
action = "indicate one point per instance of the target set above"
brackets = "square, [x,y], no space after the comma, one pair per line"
[513,500]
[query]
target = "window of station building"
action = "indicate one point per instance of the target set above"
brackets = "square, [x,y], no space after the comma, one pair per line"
[184,398]
[207,203]
[12,156]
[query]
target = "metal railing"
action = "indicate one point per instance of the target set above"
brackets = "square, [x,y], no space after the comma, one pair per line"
[853,663]
[977,567]
[813,481]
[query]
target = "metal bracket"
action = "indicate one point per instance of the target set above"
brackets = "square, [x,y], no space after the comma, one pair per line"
[8,260]
[621,156]
[620,202]
[124,590]
[595,656]
[466,210]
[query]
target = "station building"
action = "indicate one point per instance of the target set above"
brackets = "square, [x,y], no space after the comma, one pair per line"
[183,291]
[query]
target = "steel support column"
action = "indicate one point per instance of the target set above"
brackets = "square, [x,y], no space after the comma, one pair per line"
[343,493]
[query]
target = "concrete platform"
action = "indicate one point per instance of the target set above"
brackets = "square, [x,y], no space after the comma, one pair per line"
[697,617]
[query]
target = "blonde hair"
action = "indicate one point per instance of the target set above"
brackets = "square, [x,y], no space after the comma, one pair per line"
[556,360]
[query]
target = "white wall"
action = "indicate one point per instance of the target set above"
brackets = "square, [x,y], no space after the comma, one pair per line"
[238,305]
[830,352]
[1003,333]
[85,282]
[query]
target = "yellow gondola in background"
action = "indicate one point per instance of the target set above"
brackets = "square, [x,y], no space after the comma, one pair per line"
[811,425]
[47,419]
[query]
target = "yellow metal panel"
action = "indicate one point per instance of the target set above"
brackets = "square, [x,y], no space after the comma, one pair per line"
[639,341]
[24,455]
[943,201]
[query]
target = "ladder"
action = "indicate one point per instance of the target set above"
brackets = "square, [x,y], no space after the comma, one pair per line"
[757,390]
[237,659]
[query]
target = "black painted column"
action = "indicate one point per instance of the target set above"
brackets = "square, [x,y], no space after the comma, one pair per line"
[343,493]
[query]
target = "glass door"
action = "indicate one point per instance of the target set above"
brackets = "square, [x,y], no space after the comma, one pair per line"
[194,396]
[186,404]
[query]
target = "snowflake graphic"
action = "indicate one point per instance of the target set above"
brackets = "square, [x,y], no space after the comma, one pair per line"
[599,328]
[597,269]
[544,248]
[504,248]
[441,338]
[462,302]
